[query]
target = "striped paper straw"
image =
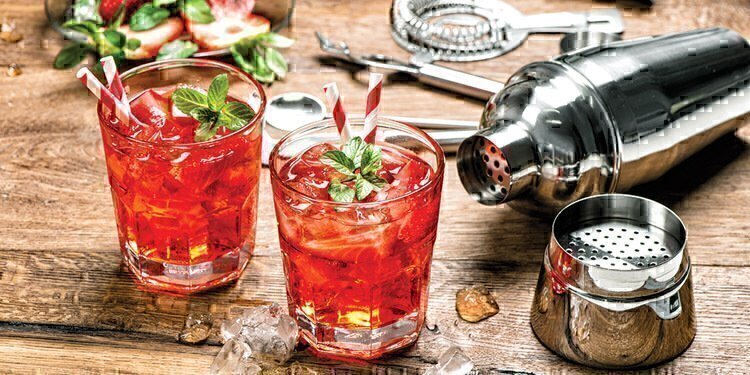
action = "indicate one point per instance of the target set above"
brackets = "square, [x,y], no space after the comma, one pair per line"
[337,110]
[113,80]
[105,96]
[373,107]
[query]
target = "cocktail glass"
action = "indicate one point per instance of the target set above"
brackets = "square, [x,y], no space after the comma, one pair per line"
[357,273]
[185,212]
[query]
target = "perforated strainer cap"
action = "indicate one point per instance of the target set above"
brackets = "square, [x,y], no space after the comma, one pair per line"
[493,164]
[618,245]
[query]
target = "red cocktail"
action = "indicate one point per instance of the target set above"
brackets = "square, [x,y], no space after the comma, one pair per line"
[185,198]
[357,273]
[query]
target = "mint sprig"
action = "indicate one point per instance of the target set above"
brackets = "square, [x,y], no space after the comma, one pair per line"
[359,162]
[259,56]
[211,109]
[102,41]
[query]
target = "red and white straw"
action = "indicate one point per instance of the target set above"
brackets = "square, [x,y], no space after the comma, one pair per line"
[106,97]
[373,107]
[113,80]
[337,110]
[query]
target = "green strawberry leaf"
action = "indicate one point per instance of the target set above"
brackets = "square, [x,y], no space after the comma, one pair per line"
[217,92]
[340,192]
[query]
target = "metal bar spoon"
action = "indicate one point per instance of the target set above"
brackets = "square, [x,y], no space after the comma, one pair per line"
[290,111]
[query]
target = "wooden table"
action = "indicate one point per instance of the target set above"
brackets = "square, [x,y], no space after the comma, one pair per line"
[67,306]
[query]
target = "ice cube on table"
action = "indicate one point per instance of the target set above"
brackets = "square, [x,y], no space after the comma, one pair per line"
[230,328]
[452,362]
[267,331]
[270,333]
[233,359]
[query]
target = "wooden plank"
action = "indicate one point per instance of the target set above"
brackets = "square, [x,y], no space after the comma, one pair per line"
[44,290]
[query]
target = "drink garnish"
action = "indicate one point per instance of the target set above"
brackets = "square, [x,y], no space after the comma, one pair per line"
[212,109]
[359,162]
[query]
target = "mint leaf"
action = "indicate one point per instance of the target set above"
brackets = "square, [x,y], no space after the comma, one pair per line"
[89,28]
[239,52]
[363,187]
[159,3]
[187,100]
[147,17]
[375,180]
[262,72]
[275,40]
[132,44]
[354,150]
[257,56]
[276,62]
[359,161]
[198,11]
[339,161]
[72,55]
[217,92]
[211,109]
[371,161]
[235,115]
[205,132]
[114,37]
[203,115]
[178,49]
[340,192]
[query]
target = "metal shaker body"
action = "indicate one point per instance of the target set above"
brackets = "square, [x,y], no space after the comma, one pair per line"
[615,289]
[605,118]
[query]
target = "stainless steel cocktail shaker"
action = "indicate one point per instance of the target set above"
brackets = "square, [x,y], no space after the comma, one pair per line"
[615,287]
[605,118]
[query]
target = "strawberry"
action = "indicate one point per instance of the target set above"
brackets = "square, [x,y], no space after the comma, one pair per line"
[153,39]
[108,8]
[227,29]
[222,8]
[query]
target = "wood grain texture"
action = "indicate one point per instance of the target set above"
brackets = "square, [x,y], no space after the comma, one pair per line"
[67,306]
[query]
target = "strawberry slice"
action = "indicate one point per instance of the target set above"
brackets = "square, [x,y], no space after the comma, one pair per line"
[108,8]
[227,29]
[223,8]
[153,39]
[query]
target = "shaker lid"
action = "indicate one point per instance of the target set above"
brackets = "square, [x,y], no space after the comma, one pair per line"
[618,246]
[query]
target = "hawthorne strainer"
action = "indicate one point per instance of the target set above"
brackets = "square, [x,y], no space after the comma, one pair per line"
[471,30]
[615,290]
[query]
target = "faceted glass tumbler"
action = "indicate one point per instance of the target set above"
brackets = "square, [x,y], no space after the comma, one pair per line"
[185,213]
[358,273]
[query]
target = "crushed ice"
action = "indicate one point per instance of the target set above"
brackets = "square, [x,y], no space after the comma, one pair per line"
[263,336]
